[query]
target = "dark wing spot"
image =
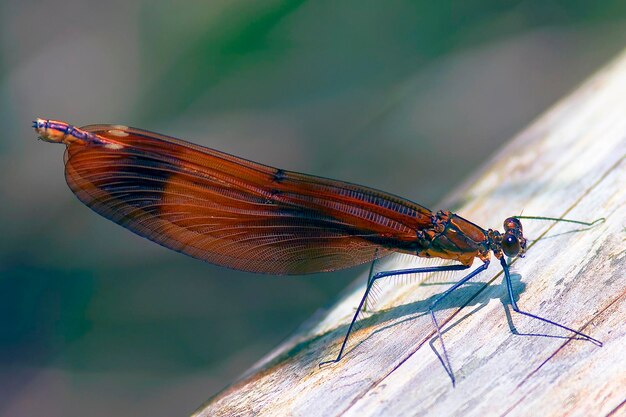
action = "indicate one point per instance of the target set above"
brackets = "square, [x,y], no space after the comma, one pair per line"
[279,176]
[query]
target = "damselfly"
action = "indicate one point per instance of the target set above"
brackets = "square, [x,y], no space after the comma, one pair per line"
[244,215]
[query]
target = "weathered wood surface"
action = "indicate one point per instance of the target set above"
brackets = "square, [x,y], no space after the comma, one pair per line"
[569,163]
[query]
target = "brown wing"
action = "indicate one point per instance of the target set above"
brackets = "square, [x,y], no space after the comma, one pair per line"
[233,212]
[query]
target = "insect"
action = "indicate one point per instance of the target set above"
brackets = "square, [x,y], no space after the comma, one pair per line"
[244,215]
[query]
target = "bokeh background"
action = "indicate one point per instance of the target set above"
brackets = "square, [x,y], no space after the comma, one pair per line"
[405,96]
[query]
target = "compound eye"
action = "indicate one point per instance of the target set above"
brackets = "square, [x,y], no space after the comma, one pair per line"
[510,245]
[512,223]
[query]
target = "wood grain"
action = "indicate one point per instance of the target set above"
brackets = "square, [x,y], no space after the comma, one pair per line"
[569,163]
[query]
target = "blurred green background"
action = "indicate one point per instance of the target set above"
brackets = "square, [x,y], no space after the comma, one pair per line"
[408,97]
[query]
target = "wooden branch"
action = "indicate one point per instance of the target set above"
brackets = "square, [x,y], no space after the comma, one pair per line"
[569,163]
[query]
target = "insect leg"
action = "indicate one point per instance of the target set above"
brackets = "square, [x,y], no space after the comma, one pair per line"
[385,274]
[509,286]
[469,276]
[370,276]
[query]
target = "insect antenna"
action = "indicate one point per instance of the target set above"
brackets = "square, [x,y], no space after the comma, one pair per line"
[556,219]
